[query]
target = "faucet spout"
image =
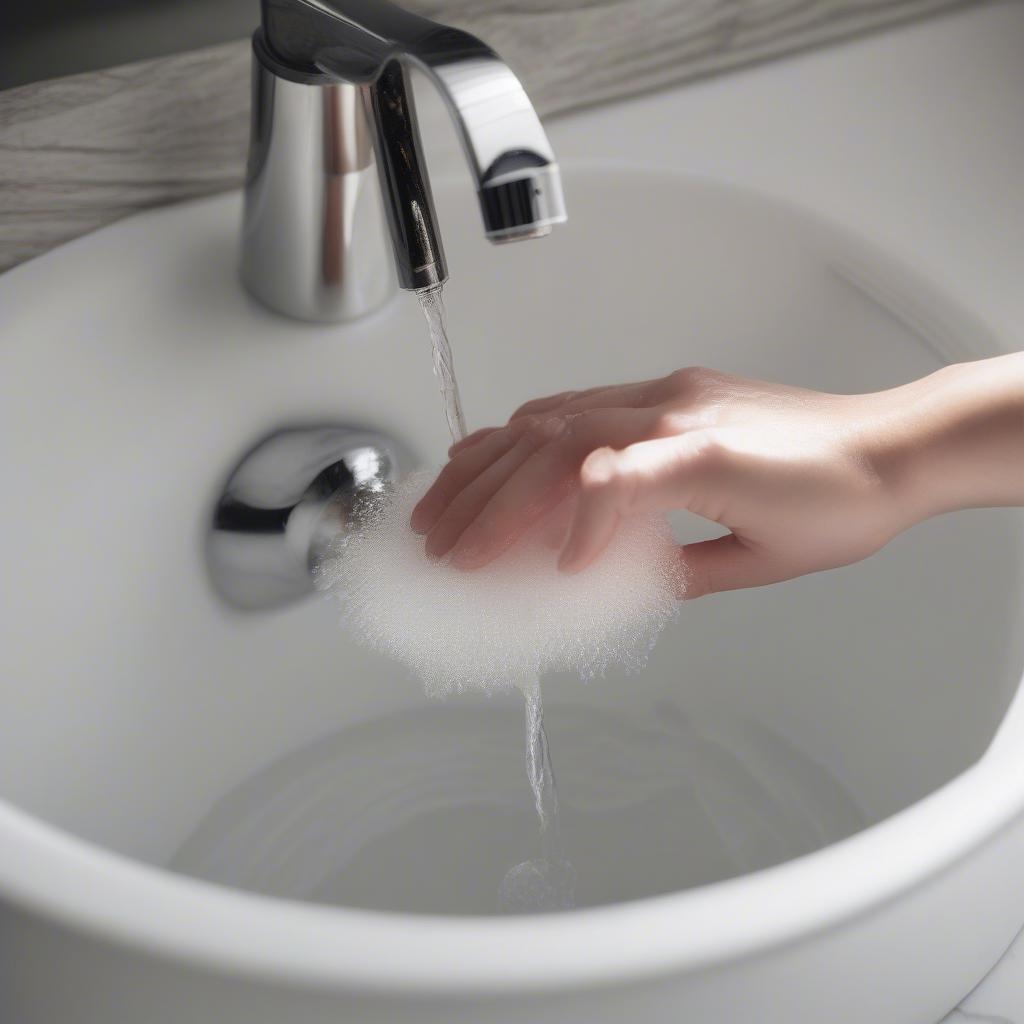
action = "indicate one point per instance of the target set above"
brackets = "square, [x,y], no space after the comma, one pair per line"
[374,43]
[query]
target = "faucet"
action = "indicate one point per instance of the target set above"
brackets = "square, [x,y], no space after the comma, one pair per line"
[334,132]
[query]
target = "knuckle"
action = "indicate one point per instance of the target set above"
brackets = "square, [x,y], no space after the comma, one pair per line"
[530,408]
[712,454]
[686,376]
[525,409]
[522,425]
[669,422]
[536,432]
[689,379]
[599,470]
[545,429]
[581,424]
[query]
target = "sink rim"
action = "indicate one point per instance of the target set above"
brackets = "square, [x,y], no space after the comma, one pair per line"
[78,882]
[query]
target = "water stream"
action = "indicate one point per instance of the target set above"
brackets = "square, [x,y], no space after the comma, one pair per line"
[432,304]
[546,883]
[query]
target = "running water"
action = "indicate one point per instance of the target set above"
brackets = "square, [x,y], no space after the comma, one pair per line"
[432,304]
[546,883]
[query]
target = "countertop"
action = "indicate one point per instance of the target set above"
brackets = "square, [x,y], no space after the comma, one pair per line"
[913,138]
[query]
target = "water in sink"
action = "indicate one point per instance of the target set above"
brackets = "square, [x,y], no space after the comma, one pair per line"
[424,811]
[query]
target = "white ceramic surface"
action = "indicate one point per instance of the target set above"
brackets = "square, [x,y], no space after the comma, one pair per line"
[152,701]
[131,701]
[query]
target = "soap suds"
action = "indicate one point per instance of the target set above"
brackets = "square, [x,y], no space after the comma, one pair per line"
[510,622]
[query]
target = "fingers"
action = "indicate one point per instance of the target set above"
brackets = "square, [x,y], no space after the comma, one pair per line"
[649,476]
[477,532]
[619,396]
[641,393]
[466,505]
[556,527]
[672,472]
[728,563]
[490,443]
[470,439]
[482,522]
[565,401]
[537,406]
[605,497]
[459,472]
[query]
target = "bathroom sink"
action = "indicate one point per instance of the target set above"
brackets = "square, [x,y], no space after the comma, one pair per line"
[850,744]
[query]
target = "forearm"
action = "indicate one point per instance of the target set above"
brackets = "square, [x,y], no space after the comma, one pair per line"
[960,435]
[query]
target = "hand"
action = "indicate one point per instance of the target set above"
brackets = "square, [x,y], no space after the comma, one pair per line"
[803,480]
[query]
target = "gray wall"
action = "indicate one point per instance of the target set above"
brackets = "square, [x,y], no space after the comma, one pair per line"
[42,39]
[80,151]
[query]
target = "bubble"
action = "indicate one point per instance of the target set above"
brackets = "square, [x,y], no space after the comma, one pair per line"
[510,622]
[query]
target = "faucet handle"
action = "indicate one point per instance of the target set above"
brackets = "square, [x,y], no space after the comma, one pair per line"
[286,502]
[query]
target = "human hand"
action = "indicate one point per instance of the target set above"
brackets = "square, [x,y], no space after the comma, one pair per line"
[803,480]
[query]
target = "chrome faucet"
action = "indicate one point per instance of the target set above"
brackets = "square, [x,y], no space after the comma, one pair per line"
[331,98]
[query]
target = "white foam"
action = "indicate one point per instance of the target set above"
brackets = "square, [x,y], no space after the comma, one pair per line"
[511,621]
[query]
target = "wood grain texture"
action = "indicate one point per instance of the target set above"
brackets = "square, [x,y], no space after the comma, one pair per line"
[82,151]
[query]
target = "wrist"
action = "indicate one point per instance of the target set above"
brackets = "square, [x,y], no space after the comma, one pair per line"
[955,439]
[896,435]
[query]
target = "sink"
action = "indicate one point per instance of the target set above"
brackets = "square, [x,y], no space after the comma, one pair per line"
[850,744]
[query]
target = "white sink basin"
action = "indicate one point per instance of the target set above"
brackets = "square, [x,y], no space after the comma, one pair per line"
[848,839]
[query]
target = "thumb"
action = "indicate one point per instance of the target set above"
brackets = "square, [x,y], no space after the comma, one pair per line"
[726,563]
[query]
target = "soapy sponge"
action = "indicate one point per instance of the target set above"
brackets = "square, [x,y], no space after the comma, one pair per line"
[510,622]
